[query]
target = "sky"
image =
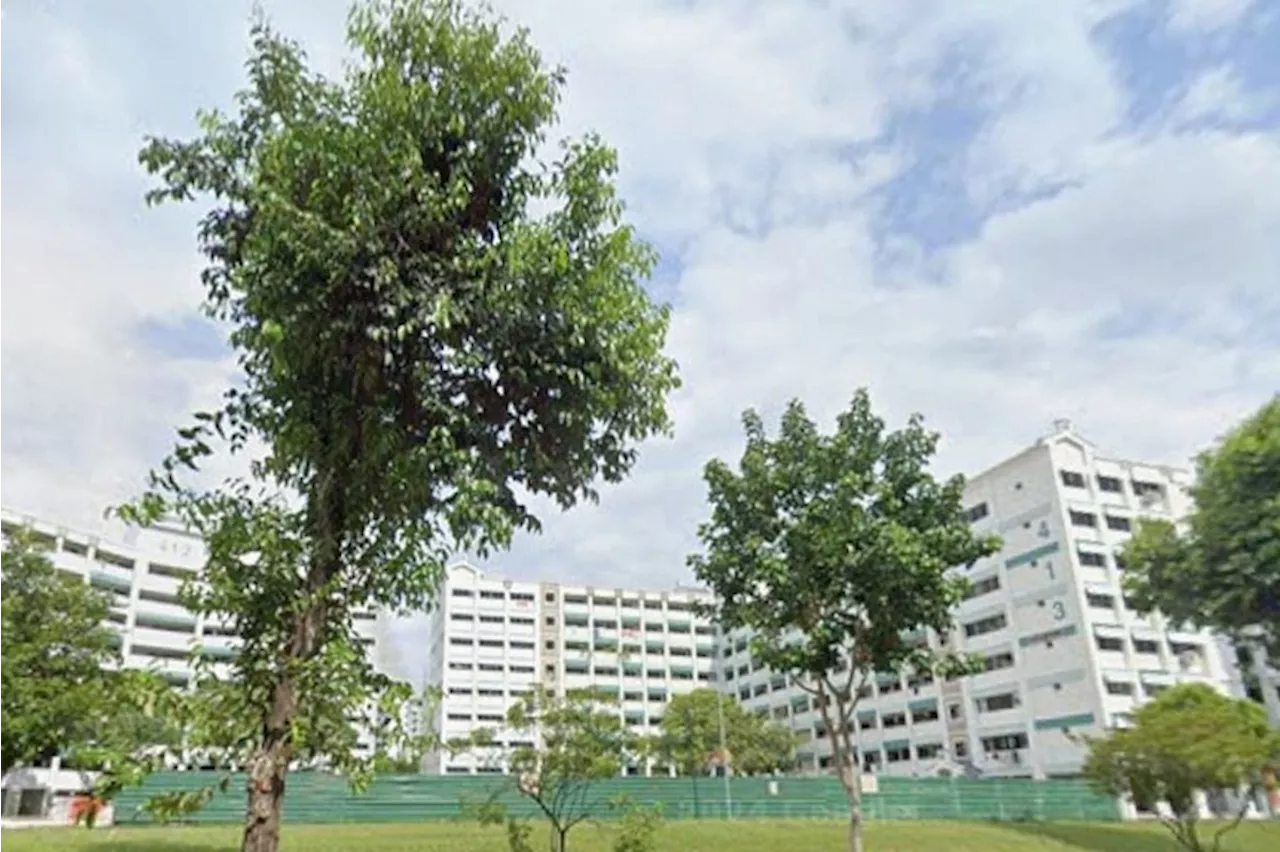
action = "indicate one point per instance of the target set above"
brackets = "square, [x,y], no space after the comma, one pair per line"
[991,212]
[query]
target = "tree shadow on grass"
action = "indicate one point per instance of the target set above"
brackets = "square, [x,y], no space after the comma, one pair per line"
[1110,838]
[139,843]
[1094,837]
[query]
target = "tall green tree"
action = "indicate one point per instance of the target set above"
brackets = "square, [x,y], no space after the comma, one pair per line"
[1222,571]
[58,655]
[1188,739]
[435,315]
[833,551]
[690,737]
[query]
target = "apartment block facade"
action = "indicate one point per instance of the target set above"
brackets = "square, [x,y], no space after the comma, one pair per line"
[491,640]
[141,570]
[1065,655]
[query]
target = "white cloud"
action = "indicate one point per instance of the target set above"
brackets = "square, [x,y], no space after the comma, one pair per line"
[1190,16]
[753,135]
[1218,94]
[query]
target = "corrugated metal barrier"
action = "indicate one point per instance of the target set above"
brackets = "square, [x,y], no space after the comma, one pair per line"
[315,797]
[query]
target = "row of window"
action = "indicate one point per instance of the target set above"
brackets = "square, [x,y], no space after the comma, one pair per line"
[574,599]
[1080,518]
[103,555]
[1110,484]
[631,627]
[468,642]
[1148,646]
[514,668]
[468,618]
[576,667]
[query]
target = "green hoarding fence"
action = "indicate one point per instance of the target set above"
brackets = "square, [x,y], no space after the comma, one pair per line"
[315,797]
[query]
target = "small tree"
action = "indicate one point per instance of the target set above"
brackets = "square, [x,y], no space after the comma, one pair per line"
[58,652]
[579,740]
[1189,738]
[434,316]
[833,550]
[1223,572]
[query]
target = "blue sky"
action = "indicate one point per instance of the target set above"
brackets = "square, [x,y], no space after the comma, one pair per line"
[994,213]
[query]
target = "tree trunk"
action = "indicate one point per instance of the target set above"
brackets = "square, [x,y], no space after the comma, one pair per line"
[267,771]
[847,769]
[851,778]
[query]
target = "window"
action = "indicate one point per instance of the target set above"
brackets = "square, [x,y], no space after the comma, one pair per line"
[760,689]
[928,714]
[1146,646]
[490,643]
[1109,643]
[929,751]
[1118,524]
[653,626]
[462,593]
[1008,742]
[986,625]
[680,652]
[522,619]
[602,601]
[744,693]
[780,712]
[656,673]
[490,693]
[459,690]
[491,619]
[493,596]
[976,513]
[632,696]
[606,671]
[1142,489]
[653,604]
[113,559]
[550,597]
[460,642]
[1117,687]
[1110,484]
[996,703]
[985,586]
[744,670]
[522,596]
[897,755]
[521,645]
[461,667]
[961,748]
[1082,519]
[893,720]
[520,669]
[677,606]
[1098,600]
[462,616]
[995,662]
[890,687]
[459,717]
[1092,558]
[605,624]
[1072,479]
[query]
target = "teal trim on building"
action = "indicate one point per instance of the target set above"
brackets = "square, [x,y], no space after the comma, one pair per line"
[1032,555]
[111,580]
[895,744]
[1078,720]
[1041,681]
[865,716]
[1049,635]
[922,704]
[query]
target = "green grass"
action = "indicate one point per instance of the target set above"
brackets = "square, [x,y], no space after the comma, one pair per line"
[685,836]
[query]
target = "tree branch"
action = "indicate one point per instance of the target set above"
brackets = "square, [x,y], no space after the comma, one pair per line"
[1235,822]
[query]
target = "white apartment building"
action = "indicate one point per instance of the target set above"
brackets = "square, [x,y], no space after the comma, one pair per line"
[492,639]
[141,570]
[1064,654]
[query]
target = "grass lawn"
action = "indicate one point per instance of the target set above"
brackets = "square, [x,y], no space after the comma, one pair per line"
[683,836]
